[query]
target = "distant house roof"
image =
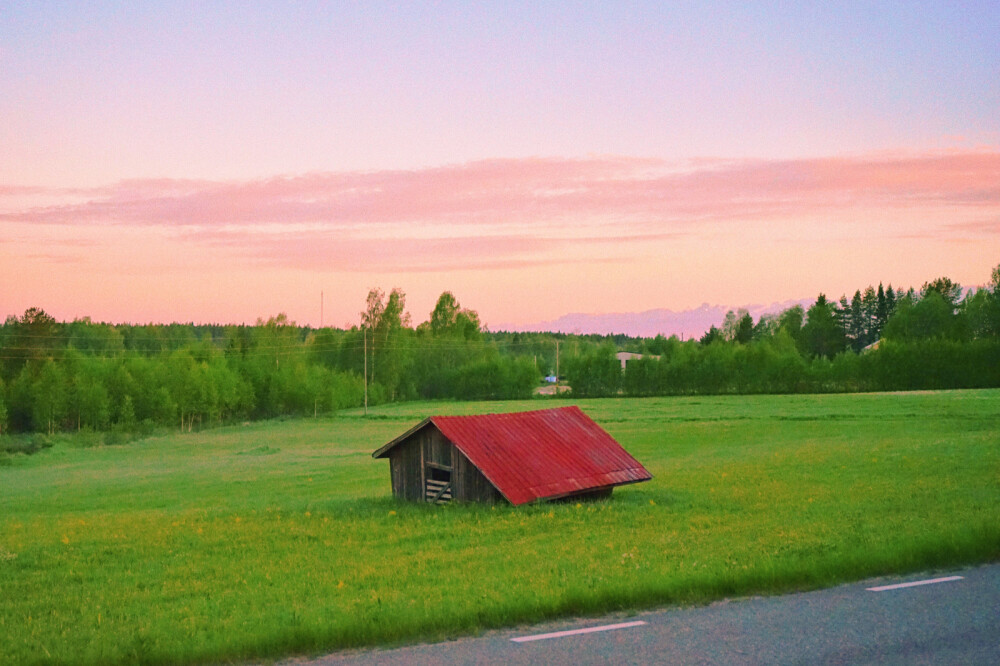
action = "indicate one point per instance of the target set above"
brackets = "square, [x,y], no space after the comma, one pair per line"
[536,455]
[873,346]
[625,357]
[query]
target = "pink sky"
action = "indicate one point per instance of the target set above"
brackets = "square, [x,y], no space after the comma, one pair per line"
[520,240]
[197,164]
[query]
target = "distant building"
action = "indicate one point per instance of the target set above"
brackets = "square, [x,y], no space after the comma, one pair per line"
[873,346]
[625,357]
[521,457]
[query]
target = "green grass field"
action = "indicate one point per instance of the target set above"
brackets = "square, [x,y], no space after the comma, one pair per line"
[279,538]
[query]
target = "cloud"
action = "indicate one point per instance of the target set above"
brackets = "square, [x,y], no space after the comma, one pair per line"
[512,211]
[330,251]
[19,190]
[982,227]
[52,258]
[491,189]
[537,188]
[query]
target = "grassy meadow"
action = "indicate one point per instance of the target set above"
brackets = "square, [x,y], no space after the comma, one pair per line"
[276,538]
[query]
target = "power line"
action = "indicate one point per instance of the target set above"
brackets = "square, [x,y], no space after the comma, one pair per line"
[64,353]
[234,345]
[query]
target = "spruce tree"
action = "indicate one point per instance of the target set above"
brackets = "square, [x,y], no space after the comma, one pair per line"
[881,312]
[869,303]
[822,334]
[856,330]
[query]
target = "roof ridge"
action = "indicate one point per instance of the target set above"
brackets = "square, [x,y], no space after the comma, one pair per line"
[512,414]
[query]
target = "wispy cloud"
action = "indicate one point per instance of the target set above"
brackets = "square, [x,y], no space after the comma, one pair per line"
[508,212]
[987,227]
[318,250]
[53,258]
[18,190]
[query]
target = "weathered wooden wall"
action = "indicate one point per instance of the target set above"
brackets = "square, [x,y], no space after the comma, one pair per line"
[410,463]
[437,449]
[470,484]
[405,468]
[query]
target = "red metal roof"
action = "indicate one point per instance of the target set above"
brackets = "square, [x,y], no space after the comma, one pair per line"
[536,455]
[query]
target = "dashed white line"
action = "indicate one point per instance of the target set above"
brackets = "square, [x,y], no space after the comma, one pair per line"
[574,632]
[899,586]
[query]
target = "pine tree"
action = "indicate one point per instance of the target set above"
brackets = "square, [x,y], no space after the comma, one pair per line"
[869,303]
[890,304]
[822,334]
[881,312]
[744,329]
[857,330]
[842,313]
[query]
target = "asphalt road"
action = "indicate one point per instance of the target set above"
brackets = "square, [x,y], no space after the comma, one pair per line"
[949,622]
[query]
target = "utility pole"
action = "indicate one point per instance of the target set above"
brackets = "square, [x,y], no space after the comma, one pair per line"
[364,333]
[557,367]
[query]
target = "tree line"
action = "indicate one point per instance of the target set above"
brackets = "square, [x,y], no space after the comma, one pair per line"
[882,339]
[85,375]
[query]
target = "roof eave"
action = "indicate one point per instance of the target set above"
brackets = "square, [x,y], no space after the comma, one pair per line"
[384,451]
[587,489]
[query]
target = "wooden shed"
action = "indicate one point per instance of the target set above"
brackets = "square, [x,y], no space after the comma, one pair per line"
[518,457]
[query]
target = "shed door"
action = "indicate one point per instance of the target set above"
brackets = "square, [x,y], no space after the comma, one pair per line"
[438,468]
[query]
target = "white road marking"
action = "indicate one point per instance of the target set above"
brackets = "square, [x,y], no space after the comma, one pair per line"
[574,632]
[899,586]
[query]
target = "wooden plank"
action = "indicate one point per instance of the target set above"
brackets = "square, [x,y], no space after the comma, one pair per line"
[434,465]
[440,492]
[471,485]
[439,449]
[414,473]
[423,470]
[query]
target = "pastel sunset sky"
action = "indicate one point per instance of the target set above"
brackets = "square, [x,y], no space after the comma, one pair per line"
[220,162]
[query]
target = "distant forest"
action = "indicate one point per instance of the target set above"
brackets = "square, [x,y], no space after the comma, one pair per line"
[124,378]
